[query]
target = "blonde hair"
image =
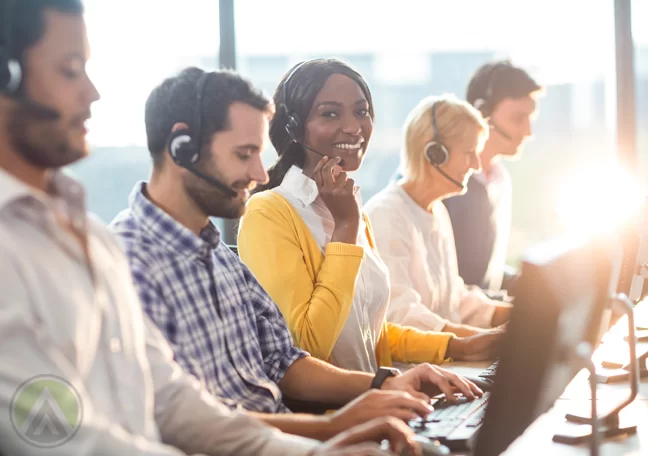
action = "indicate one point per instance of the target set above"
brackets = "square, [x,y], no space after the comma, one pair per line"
[454,119]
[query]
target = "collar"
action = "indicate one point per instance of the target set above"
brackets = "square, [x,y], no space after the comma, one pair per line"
[61,189]
[302,187]
[168,231]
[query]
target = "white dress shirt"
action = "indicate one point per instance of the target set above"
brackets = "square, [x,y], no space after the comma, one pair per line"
[355,349]
[418,248]
[79,319]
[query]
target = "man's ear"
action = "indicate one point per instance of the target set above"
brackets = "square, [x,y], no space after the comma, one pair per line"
[179,126]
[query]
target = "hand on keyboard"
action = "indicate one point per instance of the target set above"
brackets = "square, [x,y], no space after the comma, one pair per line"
[364,440]
[452,423]
[376,404]
[426,380]
[479,347]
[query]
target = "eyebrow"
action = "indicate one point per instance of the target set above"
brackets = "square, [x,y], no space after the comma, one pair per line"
[245,147]
[75,55]
[338,104]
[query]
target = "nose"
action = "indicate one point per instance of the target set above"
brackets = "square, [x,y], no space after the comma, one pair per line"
[526,131]
[92,94]
[257,172]
[351,126]
[475,162]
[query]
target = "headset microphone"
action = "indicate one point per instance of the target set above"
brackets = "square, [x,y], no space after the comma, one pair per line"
[501,132]
[184,144]
[211,180]
[444,174]
[294,139]
[40,110]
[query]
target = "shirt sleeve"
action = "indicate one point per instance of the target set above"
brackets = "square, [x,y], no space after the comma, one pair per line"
[396,249]
[277,347]
[475,308]
[410,345]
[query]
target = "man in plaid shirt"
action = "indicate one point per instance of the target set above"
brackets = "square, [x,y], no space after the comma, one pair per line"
[205,134]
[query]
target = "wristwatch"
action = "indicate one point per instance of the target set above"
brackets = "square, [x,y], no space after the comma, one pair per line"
[383,374]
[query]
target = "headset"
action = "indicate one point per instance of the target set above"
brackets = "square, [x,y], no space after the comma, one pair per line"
[483,104]
[436,152]
[184,145]
[293,123]
[11,73]
[10,70]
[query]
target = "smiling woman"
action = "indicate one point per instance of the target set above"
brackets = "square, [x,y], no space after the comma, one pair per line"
[324,109]
[305,240]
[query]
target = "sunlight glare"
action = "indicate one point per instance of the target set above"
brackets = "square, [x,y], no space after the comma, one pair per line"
[598,201]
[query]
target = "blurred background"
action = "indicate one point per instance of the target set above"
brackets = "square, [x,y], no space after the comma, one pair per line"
[406,50]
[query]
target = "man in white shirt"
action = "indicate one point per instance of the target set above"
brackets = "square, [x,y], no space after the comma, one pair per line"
[506,96]
[82,371]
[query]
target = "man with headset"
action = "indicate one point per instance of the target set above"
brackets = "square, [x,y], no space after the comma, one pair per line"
[506,96]
[205,133]
[83,370]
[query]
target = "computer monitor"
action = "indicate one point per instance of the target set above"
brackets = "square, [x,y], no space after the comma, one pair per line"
[634,268]
[560,300]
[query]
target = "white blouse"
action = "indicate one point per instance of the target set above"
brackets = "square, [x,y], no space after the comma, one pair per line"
[419,250]
[355,349]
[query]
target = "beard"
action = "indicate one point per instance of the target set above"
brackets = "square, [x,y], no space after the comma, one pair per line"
[211,200]
[40,141]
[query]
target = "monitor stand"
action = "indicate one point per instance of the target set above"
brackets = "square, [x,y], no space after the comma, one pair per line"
[609,424]
[611,372]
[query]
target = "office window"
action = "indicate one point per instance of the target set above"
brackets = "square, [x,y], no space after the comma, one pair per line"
[135,44]
[439,44]
[640,36]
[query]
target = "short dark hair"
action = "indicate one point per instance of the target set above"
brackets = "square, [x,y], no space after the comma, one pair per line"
[23,22]
[175,100]
[306,81]
[495,81]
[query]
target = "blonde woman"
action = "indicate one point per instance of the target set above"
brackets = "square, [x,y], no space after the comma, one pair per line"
[443,139]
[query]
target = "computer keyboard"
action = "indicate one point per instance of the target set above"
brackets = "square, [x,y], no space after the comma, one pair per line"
[490,371]
[452,424]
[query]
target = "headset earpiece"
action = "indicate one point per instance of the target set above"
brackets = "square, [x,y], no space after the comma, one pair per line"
[10,74]
[293,127]
[293,124]
[10,70]
[480,105]
[182,148]
[436,153]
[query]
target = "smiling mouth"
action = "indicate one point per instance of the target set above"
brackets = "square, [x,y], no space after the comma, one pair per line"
[349,146]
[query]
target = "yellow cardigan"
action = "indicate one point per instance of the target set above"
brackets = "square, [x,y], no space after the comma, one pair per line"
[314,291]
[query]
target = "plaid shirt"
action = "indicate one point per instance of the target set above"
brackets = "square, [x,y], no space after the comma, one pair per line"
[222,325]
